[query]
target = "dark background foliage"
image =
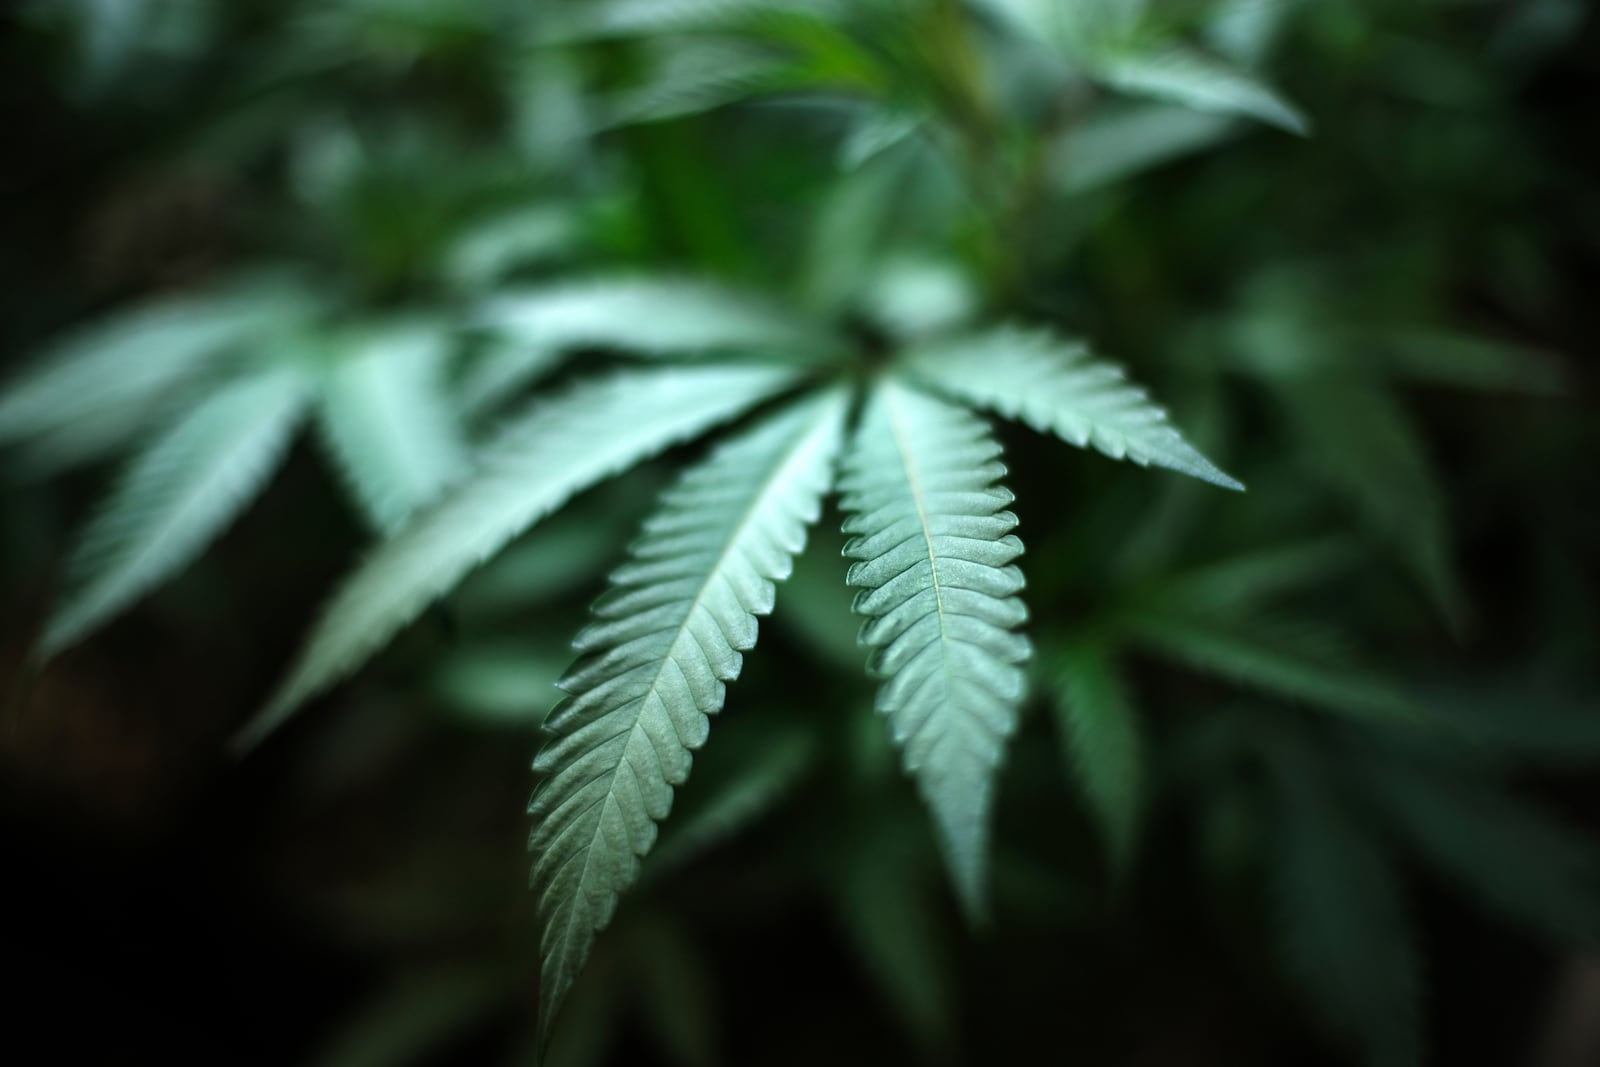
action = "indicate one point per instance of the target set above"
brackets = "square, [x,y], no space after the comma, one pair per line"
[1385,329]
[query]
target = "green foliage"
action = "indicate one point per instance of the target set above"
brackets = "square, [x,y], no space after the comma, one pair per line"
[514,261]
[667,637]
[176,496]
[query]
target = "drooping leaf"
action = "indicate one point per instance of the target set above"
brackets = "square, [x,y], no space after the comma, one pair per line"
[667,637]
[648,316]
[935,553]
[1206,83]
[1103,743]
[1344,928]
[1054,387]
[386,418]
[558,448]
[175,497]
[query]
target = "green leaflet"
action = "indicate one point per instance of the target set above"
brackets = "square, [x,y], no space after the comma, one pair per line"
[1054,387]
[1103,743]
[387,422]
[560,447]
[648,316]
[1199,81]
[938,588]
[175,497]
[668,634]
[103,385]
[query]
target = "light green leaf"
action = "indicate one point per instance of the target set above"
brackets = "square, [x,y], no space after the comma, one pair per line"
[1206,83]
[387,422]
[938,589]
[667,637]
[1103,743]
[1053,386]
[649,317]
[560,447]
[1297,662]
[1346,934]
[175,497]
[123,371]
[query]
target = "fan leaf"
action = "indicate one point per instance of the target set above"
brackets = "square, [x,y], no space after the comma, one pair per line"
[561,446]
[385,419]
[1200,81]
[105,384]
[648,316]
[667,636]
[174,499]
[1054,387]
[934,553]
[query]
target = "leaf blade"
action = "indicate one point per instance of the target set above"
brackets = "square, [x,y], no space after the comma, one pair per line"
[174,498]
[1054,387]
[561,446]
[934,565]
[668,635]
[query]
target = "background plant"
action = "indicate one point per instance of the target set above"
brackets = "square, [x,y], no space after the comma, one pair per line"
[399,218]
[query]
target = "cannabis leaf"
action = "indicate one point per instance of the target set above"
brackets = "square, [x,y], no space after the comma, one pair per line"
[103,385]
[176,496]
[562,445]
[649,317]
[1196,80]
[388,423]
[668,635]
[938,587]
[1055,387]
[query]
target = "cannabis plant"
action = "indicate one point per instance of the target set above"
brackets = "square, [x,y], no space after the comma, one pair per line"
[813,258]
